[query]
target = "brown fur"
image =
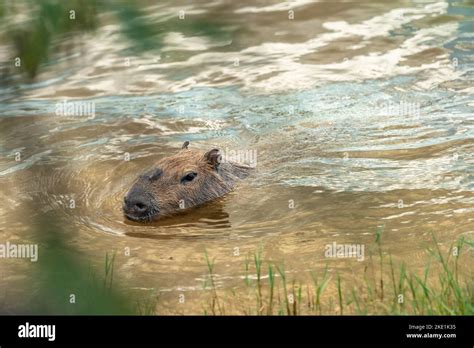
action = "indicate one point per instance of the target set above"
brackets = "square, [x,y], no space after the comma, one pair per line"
[162,188]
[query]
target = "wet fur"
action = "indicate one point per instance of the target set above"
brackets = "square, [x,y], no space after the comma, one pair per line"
[163,187]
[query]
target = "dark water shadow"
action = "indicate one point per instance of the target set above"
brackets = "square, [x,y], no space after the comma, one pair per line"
[187,224]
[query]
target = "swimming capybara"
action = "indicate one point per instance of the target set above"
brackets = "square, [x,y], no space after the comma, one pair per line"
[184,180]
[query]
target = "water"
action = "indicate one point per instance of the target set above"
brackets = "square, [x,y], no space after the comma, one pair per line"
[360,114]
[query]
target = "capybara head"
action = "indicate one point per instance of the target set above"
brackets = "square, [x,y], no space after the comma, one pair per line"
[178,182]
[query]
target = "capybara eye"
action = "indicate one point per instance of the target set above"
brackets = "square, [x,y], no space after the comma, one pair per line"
[188,177]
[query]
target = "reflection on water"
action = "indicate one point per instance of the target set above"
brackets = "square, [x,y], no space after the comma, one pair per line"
[360,113]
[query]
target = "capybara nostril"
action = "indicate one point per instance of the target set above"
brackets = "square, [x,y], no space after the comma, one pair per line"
[137,204]
[140,207]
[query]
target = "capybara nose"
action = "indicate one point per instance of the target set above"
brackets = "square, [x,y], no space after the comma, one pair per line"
[137,205]
[140,207]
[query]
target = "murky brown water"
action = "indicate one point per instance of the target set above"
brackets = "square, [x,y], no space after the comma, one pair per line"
[360,114]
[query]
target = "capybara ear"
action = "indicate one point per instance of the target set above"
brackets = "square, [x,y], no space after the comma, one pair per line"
[214,158]
[185,145]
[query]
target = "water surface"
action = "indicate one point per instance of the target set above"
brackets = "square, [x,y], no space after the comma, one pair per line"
[360,114]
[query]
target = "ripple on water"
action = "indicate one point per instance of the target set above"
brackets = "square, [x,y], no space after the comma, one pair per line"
[338,156]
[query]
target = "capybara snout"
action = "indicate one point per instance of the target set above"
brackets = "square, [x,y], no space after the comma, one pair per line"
[187,179]
[138,204]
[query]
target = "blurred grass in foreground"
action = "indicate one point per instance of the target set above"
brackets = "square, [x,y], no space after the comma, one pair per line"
[451,292]
[62,273]
[65,282]
[47,27]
